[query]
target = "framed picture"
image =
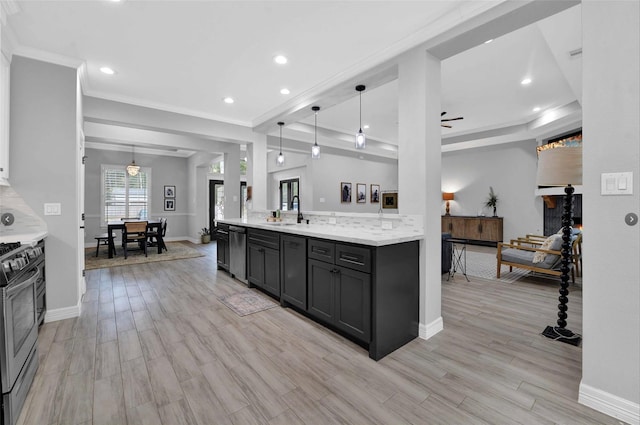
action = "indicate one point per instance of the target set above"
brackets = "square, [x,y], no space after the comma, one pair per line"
[390,200]
[170,204]
[375,193]
[361,193]
[169,192]
[345,192]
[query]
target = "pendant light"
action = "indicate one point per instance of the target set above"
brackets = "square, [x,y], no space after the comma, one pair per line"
[315,149]
[280,159]
[361,139]
[133,169]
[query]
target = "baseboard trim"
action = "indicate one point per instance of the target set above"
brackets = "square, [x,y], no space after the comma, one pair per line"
[609,404]
[63,313]
[429,330]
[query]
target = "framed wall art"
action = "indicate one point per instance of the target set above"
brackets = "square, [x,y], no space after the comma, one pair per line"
[170,192]
[345,192]
[390,200]
[361,193]
[375,193]
[169,204]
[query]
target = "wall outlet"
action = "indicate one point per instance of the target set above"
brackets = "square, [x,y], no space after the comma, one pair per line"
[387,225]
[52,209]
[322,200]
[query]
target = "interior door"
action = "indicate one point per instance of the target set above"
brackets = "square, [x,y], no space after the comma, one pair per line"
[216,203]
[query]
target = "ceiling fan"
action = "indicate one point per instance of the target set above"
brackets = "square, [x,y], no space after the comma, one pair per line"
[448,119]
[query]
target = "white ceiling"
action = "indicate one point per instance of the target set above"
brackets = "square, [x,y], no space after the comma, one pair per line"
[185,56]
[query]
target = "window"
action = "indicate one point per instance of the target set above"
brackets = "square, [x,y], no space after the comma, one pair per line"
[124,195]
[288,189]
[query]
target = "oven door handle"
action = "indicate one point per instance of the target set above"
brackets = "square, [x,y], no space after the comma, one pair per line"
[33,279]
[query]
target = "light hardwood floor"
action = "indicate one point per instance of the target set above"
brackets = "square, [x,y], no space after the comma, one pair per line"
[155,346]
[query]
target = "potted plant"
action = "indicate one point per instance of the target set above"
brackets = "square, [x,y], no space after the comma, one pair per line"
[492,201]
[205,235]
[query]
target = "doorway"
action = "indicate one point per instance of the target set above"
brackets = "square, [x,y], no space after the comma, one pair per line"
[216,202]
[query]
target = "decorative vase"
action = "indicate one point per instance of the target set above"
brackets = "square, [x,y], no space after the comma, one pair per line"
[206,238]
[494,212]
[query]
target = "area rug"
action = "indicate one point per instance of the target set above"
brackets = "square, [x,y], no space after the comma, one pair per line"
[175,251]
[247,302]
[481,264]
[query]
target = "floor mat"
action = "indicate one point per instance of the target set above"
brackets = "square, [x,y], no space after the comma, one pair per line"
[247,302]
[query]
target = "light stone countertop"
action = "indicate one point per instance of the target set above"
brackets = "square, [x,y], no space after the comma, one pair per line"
[358,235]
[23,238]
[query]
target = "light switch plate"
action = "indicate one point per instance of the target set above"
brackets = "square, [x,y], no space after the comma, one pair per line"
[52,209]
[616,183]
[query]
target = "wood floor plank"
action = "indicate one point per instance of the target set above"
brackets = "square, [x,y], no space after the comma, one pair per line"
[204,404]
[108,401]
[136,384]
[224,386]
[146,414]
[77,400]
[107,360]
[177,413]
[164,382]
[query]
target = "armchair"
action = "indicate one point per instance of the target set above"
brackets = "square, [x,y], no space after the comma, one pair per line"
[542,257]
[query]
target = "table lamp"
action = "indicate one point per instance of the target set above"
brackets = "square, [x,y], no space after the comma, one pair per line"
[560,165]
[447,196]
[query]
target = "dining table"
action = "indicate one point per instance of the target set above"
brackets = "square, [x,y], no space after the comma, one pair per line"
[119,225]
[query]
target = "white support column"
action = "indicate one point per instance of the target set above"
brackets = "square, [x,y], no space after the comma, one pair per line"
[232,191]
[419,170]
[257,169]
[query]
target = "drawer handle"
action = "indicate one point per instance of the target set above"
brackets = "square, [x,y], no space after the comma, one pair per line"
[335,270]
[321,251]
[350,258]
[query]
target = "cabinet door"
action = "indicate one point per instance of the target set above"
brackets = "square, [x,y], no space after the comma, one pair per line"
[321,292]
[447,224]
[223,253]
[473,228]
[293,270]
[492,229]
[353,303]
[272,271]
[455,226]
[255,265]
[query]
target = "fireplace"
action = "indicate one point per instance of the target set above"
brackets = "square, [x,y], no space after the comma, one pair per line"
[553,213]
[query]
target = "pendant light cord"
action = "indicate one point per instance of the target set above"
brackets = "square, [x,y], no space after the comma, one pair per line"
[361,111]
[315,128]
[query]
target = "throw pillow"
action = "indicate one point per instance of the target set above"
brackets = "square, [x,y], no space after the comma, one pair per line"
[549,244]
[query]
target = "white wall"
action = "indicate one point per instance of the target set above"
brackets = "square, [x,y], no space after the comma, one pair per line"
[165,170]
[511,170]
[320,180]
[611,293]
[44,150]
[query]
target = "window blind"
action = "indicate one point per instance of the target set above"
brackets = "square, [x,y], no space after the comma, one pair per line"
[124,195]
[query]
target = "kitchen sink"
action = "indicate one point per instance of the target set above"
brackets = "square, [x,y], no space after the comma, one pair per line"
[280,223]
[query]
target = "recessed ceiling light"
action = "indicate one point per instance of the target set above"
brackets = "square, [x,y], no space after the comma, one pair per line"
[525,81]
[488,41]
[284,91]
[228,100]
[280,59]
[536,109]
[107,70]
[365,126]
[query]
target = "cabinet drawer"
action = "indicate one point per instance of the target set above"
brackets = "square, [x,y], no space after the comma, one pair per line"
[353,257]
[222,232]
[321,250]
[264,238]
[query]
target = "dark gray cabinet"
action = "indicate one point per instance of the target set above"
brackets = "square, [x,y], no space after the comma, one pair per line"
[340,287]
[263,260]
[222,241]
[293,270]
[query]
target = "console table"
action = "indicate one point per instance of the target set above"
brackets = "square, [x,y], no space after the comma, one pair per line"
[480,230]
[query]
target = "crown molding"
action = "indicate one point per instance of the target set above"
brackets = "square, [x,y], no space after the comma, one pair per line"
[44,56]
[8,7]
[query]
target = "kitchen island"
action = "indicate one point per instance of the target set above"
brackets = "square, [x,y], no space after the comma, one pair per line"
[360,281]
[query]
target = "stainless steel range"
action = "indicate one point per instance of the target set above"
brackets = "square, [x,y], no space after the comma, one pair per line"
[22,280]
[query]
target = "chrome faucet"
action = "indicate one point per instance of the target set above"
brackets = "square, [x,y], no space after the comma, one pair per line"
[300,217]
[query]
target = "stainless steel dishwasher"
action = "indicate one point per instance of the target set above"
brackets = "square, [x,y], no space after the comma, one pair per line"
[238,253]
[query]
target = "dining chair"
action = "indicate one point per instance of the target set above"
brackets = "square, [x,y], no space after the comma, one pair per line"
[135,231]
[153,234]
